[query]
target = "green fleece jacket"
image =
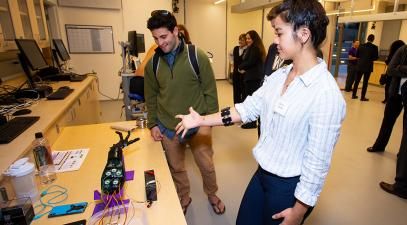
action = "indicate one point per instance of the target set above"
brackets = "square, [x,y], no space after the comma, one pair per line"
[172,92]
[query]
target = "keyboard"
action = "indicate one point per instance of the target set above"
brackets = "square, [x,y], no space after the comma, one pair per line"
[60,94]
[73,77]
[14,127]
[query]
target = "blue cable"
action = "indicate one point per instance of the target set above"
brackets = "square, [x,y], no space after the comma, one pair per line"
[59,195]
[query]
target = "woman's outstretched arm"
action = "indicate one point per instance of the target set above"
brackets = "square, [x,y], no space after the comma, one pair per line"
[225,117]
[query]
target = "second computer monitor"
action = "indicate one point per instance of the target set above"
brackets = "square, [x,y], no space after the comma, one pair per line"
[136,42]
[61,50]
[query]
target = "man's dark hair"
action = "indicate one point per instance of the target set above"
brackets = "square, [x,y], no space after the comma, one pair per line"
[300,13]
[161,18]
[370,38]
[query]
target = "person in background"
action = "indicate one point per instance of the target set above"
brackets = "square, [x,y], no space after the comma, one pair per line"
[393,48]
[252,67]
[170,91]
[392,109]
[184,34]
[273,61]
[397,101]
[352,66]
[237,76]
[302,110]
[367,53]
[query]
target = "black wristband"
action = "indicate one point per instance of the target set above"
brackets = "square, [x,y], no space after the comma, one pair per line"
[226,119]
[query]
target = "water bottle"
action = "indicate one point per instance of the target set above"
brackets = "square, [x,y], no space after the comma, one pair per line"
[43,159]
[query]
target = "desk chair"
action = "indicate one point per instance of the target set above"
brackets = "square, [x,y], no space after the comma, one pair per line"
[136,95]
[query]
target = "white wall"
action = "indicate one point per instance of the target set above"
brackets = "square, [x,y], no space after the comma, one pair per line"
[133,17]
[403,31]
[377,32]
[206,23]
[389,37]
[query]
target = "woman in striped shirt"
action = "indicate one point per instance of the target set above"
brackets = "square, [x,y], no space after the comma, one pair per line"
[302,110]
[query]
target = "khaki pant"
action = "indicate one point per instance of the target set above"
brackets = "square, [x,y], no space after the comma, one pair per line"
[201,147]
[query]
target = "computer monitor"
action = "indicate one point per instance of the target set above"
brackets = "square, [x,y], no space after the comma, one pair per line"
[32,54]
[141,48]
[61,50]
[136,43]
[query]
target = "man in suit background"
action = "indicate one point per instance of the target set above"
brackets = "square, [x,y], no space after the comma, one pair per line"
[367,53]
[397,69]
[352,66]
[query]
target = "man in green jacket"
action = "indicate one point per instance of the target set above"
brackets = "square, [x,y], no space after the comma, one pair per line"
[171,87]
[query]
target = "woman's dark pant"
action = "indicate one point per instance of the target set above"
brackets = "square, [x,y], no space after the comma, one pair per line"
[266,195]
[350,78]
[386,88]
[238,87]
[391,112]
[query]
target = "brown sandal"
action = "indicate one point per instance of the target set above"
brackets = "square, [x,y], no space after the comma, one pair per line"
[185,207]
[216,206]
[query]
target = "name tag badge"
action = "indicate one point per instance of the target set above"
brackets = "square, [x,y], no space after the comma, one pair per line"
[281,107]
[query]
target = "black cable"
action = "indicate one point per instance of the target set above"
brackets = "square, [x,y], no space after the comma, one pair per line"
[97,82]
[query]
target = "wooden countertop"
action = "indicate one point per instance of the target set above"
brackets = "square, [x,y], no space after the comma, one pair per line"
[140,156]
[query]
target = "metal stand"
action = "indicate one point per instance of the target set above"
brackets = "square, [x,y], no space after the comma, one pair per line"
[126,99]
[135,110]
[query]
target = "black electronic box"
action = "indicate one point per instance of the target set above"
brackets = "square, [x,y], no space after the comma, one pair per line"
[16,212]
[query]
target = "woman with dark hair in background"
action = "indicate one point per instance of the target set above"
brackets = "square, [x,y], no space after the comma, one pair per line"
[393,48]
[237,77]
[184,34]
[252,67]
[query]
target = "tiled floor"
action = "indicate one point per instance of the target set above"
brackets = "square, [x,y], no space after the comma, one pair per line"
[351,195]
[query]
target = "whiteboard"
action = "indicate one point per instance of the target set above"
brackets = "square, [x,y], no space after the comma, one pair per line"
[85,39]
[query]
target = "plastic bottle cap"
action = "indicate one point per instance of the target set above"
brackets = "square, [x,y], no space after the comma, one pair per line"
[38,135]
[20,168]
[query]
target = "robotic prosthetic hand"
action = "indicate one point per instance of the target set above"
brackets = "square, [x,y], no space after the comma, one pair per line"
[113,176]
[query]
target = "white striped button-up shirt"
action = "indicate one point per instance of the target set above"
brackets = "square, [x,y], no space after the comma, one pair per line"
[299,129]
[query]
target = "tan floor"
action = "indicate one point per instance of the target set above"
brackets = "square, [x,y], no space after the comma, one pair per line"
[351,195]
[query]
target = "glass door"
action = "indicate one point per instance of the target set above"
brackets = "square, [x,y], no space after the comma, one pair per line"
[345,34]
